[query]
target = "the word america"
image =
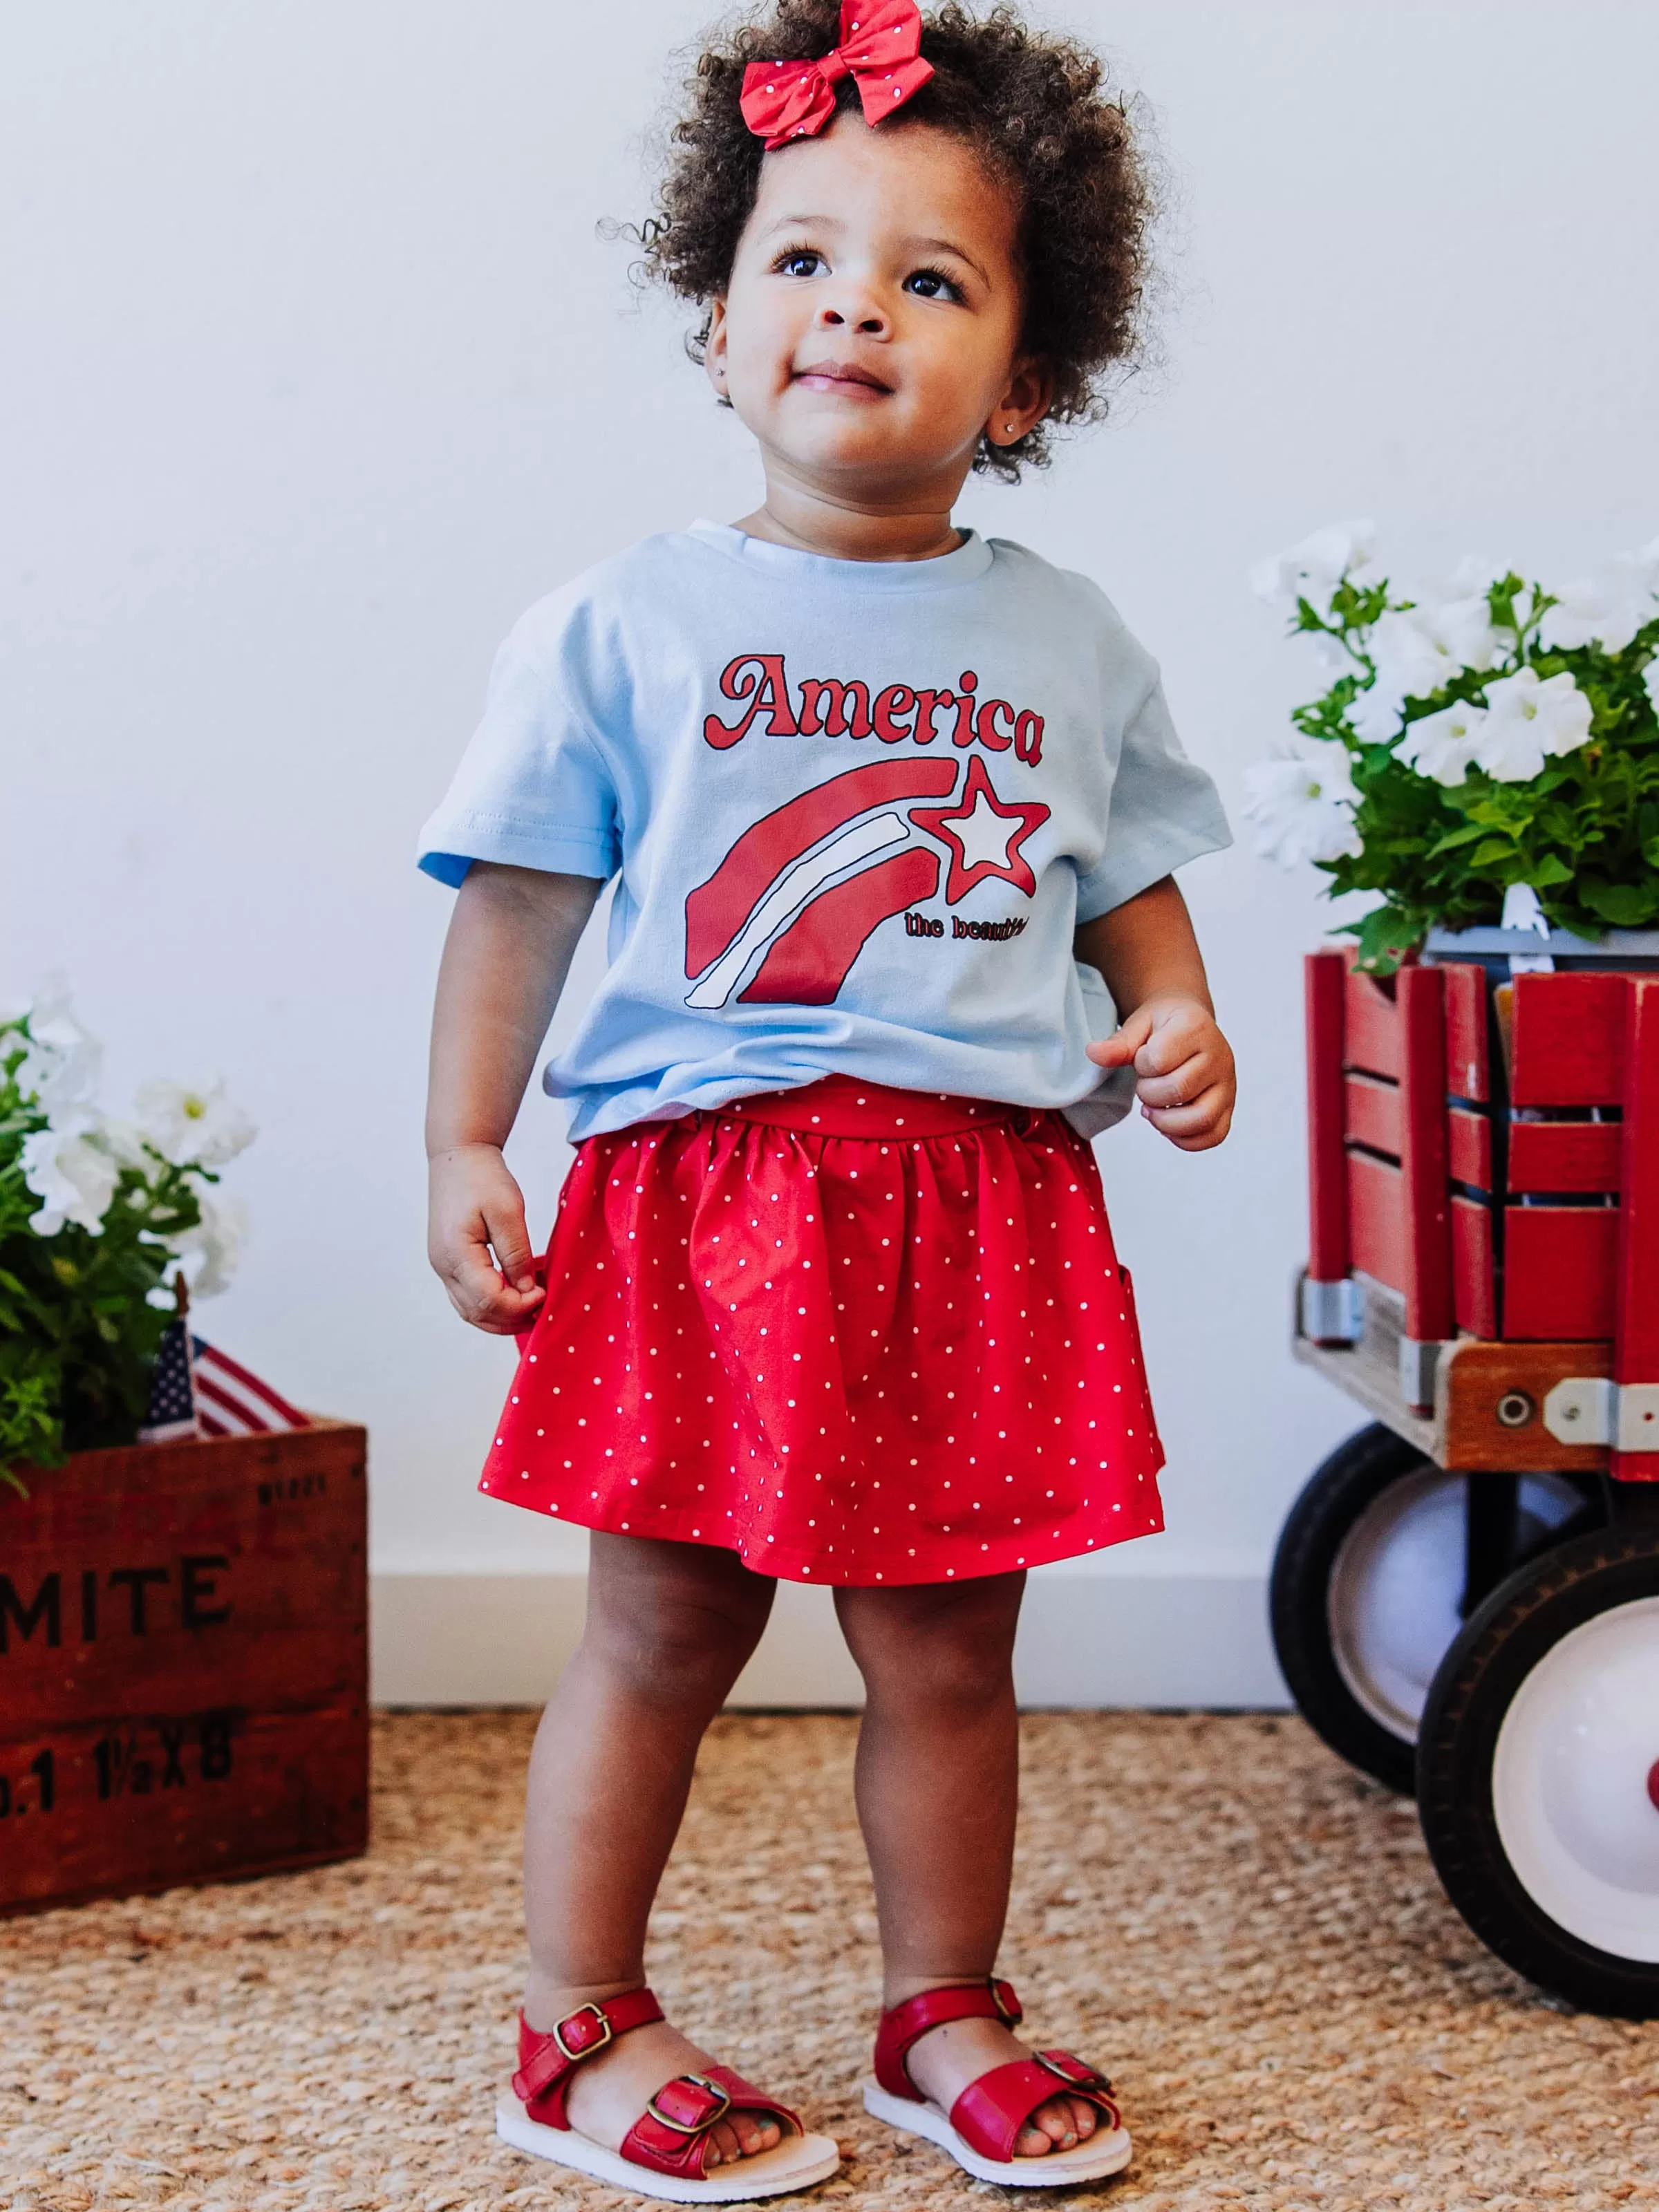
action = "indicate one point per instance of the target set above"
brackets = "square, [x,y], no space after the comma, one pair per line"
[846,709]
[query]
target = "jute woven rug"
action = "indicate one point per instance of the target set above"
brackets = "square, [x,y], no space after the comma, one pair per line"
[1248,1935]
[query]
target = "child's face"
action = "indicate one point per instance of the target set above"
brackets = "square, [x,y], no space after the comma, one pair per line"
[871,330]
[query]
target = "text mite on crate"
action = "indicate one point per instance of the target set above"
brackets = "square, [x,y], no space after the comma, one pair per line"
[183,1584]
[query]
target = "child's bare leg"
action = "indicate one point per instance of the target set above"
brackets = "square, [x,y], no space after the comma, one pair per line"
[669,1628]
[938,1791]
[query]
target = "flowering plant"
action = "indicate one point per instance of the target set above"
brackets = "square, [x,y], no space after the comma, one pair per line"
[1487,753]
[98,1218]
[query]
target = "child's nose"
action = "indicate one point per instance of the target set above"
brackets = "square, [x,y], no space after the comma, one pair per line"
[853,313]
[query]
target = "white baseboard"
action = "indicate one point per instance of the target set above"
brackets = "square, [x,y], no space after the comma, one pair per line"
[1085,1639]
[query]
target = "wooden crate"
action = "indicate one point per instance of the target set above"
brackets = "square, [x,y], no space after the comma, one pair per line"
[184,1666]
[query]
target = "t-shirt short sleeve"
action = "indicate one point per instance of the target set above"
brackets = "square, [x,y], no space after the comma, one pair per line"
[533,789]
[1164,810]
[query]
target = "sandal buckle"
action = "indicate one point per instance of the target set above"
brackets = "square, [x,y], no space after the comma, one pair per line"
[691,2127]
[1009,2008]
[1077,2073]
[589,2045]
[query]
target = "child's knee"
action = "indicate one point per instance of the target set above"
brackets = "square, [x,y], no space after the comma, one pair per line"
[942,1649]
[676,1649]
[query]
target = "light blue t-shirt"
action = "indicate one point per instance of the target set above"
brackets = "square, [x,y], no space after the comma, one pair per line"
[856,810]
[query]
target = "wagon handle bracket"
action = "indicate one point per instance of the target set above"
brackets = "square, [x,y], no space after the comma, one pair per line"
[1590,1409]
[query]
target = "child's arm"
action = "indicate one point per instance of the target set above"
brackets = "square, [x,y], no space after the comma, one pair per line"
[504,961]
[1147,954]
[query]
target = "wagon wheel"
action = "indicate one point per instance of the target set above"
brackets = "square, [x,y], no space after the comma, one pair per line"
[1370,1581]
[1538,1771]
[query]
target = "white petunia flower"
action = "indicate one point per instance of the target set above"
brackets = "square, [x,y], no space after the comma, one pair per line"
[1442,746]
[1650,683]
[1471,580]
[126,1143]
[1460,626]
[1606,609]
[1411,663]
[72,1172]
[192,1125]
[1313,569]
[1528,720]
[60,1071]
[1475,576]
[1302,804]
[210,1253]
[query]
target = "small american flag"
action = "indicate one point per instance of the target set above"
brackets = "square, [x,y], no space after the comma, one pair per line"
[199,1392]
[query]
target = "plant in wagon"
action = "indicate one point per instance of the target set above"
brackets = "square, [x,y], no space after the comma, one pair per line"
[1484,753]
[99,1216]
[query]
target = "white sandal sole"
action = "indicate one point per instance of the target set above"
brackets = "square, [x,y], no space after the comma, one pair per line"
[798,2162]
[1092,2159]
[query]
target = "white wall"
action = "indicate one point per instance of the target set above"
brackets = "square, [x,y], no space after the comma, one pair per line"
[315,373]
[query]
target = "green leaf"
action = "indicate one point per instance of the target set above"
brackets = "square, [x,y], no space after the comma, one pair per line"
[1386,936]
[1625,906]
[1454,838]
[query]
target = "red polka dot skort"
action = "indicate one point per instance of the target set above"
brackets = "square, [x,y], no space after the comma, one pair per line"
[854,1335]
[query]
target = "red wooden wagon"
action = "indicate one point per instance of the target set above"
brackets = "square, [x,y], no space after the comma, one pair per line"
[1466,1595]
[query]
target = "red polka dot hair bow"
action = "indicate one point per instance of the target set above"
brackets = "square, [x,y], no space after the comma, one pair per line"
[880,49]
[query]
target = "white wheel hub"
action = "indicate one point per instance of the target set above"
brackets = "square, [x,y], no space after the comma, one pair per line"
[1396,1586]
[1574,1787]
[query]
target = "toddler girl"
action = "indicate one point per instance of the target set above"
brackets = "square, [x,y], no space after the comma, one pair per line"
[890,809]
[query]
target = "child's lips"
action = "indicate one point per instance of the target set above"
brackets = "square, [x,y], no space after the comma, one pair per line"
[843,377]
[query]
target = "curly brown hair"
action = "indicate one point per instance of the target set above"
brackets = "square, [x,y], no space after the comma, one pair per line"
[1035,108]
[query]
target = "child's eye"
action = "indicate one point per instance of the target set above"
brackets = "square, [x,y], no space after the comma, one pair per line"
[932,284]
[799,261]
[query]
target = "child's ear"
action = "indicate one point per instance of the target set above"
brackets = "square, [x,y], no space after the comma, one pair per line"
[1024,404]
[714,346]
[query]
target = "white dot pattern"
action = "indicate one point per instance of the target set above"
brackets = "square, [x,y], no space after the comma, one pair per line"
[828,1320]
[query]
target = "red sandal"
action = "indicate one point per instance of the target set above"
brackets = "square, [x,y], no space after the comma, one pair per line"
[662,2152]
[980,2129]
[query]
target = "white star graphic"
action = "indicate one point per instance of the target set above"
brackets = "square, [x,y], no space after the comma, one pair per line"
[985,836]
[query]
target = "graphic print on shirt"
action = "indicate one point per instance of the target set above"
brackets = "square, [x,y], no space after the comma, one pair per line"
[803,887]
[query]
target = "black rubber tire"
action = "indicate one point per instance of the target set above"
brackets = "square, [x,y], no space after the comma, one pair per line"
[1337,1492]
[1499,1645]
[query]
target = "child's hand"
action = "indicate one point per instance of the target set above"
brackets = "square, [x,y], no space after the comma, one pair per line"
[1185,1066]
[474,1205]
